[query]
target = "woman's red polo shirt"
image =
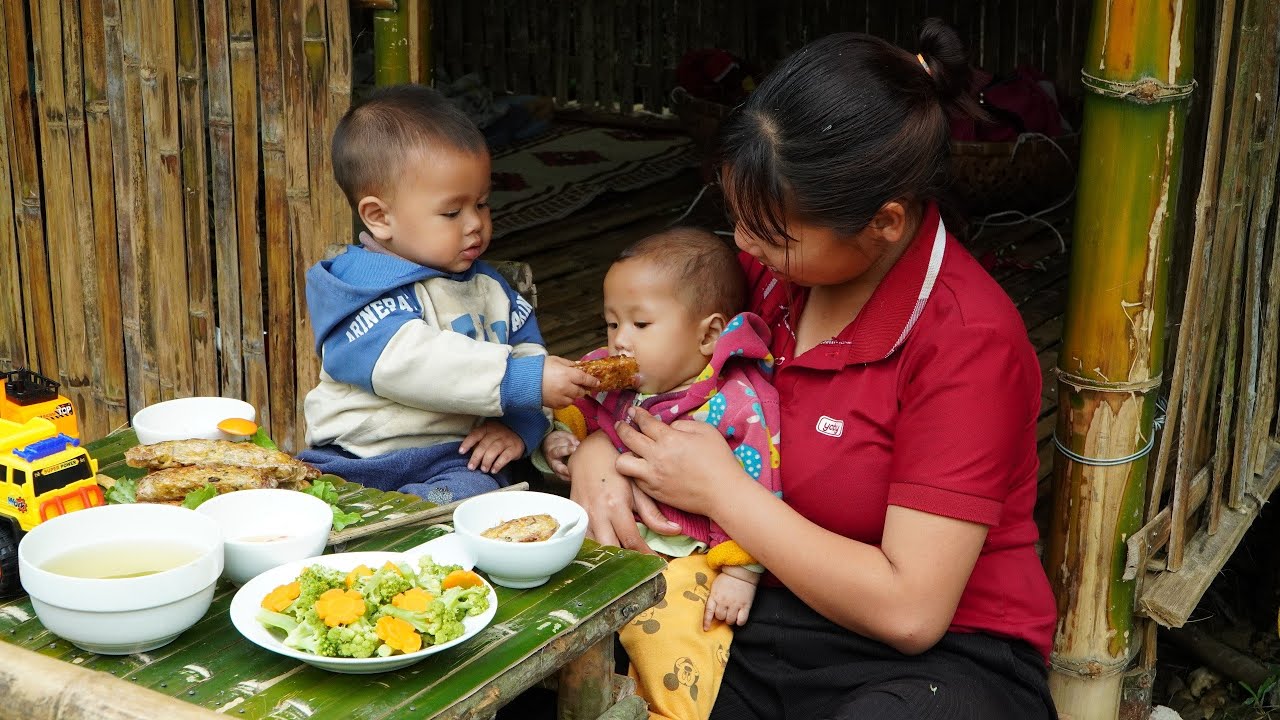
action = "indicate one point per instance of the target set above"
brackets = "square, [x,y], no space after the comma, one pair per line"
[927,400]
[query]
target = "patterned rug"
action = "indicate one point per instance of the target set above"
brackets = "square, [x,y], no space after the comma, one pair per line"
[559,172]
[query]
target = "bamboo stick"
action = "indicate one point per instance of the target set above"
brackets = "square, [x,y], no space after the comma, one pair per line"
[62,230]
[391,49]
[1270,355]
[44,688]
[244,108]
[37,294]
[222,194]
[124,93]
[1113,345]
[276,229]
[298,191]
[13,346]
[195,173]
[158,54]
[1200,245]
[418,27]
[107,306]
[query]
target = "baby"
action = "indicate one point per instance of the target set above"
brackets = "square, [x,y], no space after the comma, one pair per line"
[433,373]
[672,301]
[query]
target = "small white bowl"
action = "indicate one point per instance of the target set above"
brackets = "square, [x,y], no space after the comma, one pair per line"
[121,616]
[519,565]
[263,529]
[190,417]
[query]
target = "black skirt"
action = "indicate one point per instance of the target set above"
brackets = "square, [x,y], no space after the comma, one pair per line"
[790,662]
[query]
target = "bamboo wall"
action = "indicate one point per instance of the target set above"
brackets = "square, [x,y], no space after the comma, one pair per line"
[600,52]
[1218,457]
[164,183]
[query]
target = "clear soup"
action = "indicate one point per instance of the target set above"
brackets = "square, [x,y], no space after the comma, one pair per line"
[121,559]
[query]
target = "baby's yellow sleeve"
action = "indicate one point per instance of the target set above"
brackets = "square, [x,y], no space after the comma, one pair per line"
[728,553]
[572,419]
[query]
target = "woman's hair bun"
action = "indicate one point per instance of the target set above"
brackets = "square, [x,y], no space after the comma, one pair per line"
[948,63]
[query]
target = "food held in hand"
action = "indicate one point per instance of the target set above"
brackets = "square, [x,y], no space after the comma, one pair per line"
[530,528]
[616,372]
[178,453]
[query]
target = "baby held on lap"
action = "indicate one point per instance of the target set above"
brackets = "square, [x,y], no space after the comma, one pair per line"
[672,301]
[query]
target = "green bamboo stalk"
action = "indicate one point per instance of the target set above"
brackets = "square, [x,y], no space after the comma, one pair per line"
[391,45]
[1137,78]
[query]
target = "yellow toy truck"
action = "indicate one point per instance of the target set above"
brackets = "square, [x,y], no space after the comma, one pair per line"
[43,470]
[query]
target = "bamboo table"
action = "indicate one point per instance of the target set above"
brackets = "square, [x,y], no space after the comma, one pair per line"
[563,628]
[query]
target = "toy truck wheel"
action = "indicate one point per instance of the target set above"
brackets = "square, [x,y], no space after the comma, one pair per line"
[9,584]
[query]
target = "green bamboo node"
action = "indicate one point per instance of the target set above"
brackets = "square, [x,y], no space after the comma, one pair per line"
[1147,90]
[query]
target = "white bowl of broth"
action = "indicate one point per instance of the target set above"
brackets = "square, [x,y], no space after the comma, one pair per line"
[267,528]
[121,579]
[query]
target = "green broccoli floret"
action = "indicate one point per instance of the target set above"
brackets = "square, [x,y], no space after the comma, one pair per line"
[430,575]
[357,640]
[385,583]
[314,581]
[308,636]
[460,602]
[269,619]
[436,622]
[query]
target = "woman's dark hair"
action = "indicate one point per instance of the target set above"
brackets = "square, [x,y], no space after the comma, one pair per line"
[842,126]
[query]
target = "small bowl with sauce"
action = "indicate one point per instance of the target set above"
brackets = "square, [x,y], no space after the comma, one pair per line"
[121,579]
[267,528]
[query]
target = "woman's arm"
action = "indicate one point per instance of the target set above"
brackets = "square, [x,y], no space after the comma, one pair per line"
[903,593]
[609,498]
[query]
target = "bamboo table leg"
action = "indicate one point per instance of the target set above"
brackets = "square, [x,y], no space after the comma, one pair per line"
[586,683]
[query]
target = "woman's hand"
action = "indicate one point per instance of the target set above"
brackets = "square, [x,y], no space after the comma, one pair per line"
[687,464]
[609,498]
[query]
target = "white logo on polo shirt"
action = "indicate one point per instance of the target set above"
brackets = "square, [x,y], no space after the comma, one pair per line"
[830,426]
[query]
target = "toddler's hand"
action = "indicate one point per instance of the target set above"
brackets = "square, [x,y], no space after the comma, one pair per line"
[731,597]
[556,448]
[492,445]
[563,382]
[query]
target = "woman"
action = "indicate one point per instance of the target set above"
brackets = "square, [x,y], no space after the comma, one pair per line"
[905,582]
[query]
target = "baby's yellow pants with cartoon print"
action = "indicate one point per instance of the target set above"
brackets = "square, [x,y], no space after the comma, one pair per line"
[678,667]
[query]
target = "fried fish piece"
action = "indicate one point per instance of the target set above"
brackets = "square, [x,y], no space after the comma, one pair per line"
[179,453]
[174,483]
[616,372]
[530,528]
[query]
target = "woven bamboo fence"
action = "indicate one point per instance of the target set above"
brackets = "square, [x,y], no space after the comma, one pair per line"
[622,55]
[166,183]
[1217,459]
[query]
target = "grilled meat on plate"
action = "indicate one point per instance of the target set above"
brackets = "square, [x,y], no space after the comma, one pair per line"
[180,453]
[530,528]
[173,484]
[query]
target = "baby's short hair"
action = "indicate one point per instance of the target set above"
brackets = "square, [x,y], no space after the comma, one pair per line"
[374,138]
[704,267]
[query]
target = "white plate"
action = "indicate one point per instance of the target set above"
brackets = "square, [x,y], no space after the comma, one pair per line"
[445,550]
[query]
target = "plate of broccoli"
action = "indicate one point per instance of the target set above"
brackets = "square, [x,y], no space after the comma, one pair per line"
[366,612]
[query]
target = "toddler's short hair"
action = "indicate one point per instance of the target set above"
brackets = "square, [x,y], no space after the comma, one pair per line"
[374,138]
[705,268]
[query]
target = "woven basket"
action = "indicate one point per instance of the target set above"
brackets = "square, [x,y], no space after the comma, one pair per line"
[987,177]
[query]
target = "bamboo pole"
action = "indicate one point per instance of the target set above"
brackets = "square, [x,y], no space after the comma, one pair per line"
[319,125]
[168,270]
[1270,355]
[222,194]
[418,25]
[110,347]
[124,95]
[1137,76]
[195,173]
[13,346]
[80,288]
[244,106]
[64,227]
[298,192]
[37,294]
[391,45]
[276,237]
